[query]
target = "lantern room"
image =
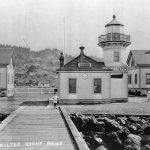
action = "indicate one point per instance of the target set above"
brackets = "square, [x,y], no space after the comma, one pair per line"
[114,35]
[114,26]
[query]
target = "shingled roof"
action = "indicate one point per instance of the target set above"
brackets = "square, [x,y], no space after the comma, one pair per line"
[5,56]
[73,65]
[141,57]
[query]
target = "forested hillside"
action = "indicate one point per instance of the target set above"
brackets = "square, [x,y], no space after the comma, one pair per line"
[32,67]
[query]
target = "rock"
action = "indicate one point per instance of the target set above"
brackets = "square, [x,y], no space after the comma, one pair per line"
[80,121]
[98,142]
[134,119]
[113,142]
[143,121]
[123,133]
[132,142]
[147,130]
[145,139]
[93,125]
[145,147]
[122,120]
[111,125]
[101,147]
[132,128]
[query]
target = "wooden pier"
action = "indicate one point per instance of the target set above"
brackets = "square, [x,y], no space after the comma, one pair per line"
[35,128]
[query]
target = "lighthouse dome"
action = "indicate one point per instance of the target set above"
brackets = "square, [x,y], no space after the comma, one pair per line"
[114,22]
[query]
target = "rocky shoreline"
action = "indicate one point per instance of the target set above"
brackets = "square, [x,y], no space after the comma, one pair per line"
[114,132]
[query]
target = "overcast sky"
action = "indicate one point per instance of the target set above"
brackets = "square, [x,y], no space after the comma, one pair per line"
[40,23]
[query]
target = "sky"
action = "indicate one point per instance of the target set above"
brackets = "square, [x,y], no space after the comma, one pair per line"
[68,24]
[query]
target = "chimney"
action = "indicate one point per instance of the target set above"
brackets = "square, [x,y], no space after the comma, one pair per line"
[61,59]
[82,49]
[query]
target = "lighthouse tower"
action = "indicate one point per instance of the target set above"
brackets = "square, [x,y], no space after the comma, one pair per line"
[113,43]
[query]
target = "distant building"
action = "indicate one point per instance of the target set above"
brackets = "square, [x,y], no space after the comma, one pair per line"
[84,80]
[139,71]
[7,71]
[44,84]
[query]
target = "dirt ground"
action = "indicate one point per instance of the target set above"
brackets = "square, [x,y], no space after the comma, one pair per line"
[135,105]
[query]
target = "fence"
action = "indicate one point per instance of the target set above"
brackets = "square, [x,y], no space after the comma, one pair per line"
[30,90]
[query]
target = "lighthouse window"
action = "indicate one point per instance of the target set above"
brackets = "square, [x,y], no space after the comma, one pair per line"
[116,56]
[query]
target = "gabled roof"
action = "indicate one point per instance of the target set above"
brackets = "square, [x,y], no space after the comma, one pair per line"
[114,22]
[141,57]
[5,56]
[82,58]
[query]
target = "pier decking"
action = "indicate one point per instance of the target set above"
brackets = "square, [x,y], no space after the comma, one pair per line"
[35,128]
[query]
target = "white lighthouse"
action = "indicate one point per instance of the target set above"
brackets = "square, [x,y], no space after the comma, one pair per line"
[114,43]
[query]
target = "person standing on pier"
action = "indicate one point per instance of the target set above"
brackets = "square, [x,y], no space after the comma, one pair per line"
[55,100]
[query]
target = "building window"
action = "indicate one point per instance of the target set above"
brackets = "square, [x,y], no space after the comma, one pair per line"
[12,79]
[129,79]
[97,85]
[147,78]
[132,63]
[8,79]
[135,78]
[84,65]
[116,56]
[72,85]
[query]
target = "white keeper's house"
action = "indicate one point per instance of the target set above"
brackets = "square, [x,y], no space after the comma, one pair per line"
[84,80]
[139,71]
[7,71]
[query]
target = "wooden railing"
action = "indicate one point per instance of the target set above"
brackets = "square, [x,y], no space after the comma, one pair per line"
[114,37]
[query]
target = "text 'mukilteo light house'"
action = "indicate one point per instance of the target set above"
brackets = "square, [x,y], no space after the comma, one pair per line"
[114,43]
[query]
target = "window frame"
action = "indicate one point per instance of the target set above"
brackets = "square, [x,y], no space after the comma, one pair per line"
[129,75]
[148,80]
[135,78]
[94,86]
[69,86]
[116,56]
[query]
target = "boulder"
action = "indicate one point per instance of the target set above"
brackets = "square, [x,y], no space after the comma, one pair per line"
[113,142]
[147,130]
[122,120]
[111,125]
[91,124]
[132,142]
[132,128]
[134,119]
[123,133]
[145,139]
[145,147]
[101,147]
